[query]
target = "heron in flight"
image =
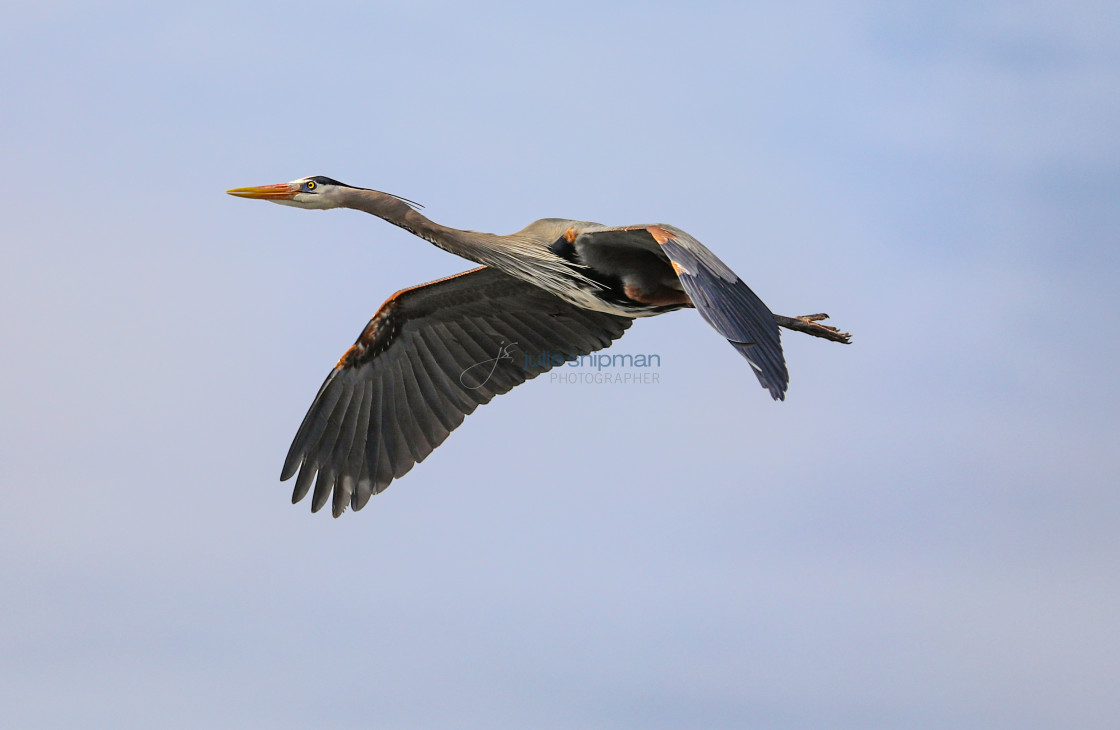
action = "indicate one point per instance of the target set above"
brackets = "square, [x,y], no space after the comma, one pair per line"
[555,290]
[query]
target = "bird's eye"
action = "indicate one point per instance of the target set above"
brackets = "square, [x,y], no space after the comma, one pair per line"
[310,184]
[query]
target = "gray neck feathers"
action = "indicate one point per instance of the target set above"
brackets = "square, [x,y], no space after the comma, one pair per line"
[518,255]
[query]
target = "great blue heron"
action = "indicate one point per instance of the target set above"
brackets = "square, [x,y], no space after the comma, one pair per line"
[553,291]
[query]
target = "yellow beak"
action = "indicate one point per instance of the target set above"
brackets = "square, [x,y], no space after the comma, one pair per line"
[280,191]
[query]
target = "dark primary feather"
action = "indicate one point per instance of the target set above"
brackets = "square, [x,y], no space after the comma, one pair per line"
[721,297]
[736,312]
[414,374]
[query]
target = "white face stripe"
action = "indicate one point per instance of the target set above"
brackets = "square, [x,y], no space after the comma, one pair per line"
[318,198]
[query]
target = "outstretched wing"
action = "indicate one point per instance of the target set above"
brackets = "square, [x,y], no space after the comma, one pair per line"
[430,356]
[721,297]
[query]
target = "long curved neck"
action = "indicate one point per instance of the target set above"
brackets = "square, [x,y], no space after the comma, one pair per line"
[520,255]
[478,247]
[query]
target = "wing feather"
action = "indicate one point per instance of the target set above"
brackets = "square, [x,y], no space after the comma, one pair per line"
[398,393]
[719,295]
[381,439]
[432,383]
[303,481]
[357,457]
[731,308]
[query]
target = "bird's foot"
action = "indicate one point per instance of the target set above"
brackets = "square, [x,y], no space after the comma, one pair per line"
[809,324]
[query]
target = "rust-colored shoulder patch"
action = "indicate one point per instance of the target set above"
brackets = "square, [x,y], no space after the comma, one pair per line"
[659,234]
[355,348]
[570,235]
[373,329]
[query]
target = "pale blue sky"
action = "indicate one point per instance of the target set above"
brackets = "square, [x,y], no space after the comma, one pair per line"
[924,535]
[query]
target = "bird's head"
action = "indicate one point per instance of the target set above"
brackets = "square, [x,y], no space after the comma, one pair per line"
[318,193]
